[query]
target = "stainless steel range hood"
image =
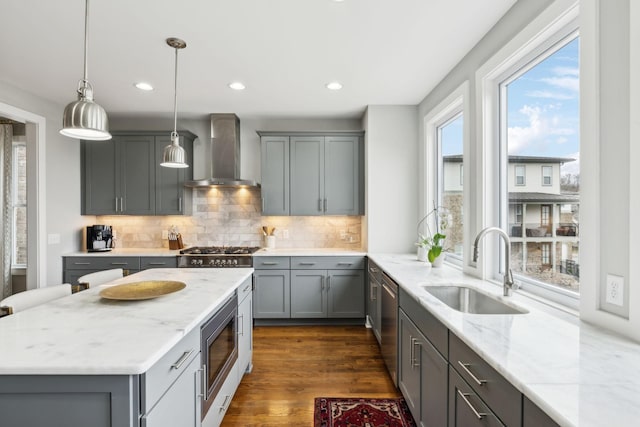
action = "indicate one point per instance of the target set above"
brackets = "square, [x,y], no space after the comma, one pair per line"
[225,155]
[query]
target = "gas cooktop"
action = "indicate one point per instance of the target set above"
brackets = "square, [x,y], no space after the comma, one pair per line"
[219,250]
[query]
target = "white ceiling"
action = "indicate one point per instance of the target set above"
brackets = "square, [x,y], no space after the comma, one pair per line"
[284,51]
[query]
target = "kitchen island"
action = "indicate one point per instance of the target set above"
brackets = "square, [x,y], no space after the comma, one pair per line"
[85,360]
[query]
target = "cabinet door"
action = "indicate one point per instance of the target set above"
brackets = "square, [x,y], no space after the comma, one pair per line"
[272,294]
[433,385]
[532,416]
[345,290]
[136,172]
[341,175]
[99,189]
[466,409]
[170,190]
[308,297]
[275,175]
[245,335]
[180,405]
[307,175]
[408,368]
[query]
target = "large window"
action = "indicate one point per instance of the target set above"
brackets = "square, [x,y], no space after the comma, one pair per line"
[540,121]
[19,203]
[450,186]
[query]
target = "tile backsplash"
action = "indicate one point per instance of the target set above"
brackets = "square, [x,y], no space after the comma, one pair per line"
[231,217]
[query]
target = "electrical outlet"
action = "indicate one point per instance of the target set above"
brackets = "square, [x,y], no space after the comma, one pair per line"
[285,234]
[165,234]
[615,290]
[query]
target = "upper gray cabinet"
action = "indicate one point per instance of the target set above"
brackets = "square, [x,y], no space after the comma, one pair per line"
[312,173]
[123,176]
[275,175]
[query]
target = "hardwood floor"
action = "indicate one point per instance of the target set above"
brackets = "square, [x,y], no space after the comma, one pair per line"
[294,364]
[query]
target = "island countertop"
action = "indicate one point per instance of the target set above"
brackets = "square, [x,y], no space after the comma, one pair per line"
[579,374]
[84,334]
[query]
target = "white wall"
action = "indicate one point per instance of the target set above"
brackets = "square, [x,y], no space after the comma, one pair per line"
[391,181]
[62,168]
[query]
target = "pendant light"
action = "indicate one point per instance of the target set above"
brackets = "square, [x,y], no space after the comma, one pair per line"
[173,155]
[83,118]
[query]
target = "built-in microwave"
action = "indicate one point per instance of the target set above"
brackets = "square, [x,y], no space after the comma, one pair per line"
[219,344]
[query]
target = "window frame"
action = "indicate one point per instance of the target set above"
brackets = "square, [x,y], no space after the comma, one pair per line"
[15,144]
[455,104]
[553,28]
[550,176]
[523,176]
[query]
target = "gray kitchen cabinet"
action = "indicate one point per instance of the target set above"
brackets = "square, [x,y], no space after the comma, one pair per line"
[272,294]
[307,175]
[466,409]
[123,176]
[172,197]
[317,173]
[327,294]
[532,416]
[308,296]
[374,301]
[275,175]
[74,267]
[422,375]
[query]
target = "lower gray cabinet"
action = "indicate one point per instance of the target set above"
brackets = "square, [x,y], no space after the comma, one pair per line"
[245,328]
[272,294]
[532,416]
[374,300]
[180,405]
[327,294]
[466,409]
[422,376]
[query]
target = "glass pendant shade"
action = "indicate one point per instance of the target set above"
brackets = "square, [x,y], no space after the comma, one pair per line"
[84,119]
[173,155]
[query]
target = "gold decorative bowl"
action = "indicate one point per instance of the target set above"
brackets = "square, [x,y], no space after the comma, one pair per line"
[142,290]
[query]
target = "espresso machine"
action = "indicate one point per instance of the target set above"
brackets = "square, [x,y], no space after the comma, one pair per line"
[99,238]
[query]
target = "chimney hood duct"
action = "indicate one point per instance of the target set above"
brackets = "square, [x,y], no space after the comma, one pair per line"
[225,155]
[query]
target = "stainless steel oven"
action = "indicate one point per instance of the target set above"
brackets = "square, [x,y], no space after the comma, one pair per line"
[219,344]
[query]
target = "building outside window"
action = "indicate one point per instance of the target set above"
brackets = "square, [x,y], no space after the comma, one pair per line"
[520,174]
[541,135]
[450,187]
[19,204]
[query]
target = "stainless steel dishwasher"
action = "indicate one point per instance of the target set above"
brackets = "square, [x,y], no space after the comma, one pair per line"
[389,327]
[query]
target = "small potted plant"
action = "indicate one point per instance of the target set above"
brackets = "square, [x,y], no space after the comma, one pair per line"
[431,246]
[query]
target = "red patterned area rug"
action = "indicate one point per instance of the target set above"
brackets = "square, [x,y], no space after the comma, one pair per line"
[347,412]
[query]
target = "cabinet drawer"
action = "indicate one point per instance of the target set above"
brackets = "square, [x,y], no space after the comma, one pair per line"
[101,263]
[431,327]
[503,398]
[245,289]
[466,409]
[158,262]
[271,262]
[166,370]
[327,263]
[373,270]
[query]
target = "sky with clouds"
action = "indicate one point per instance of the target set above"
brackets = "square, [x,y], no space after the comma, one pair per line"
[543,111]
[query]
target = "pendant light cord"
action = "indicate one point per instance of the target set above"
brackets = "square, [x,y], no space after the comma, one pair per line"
[86,41]
[175,102]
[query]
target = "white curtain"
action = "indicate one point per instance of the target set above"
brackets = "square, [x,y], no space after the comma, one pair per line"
[6,139]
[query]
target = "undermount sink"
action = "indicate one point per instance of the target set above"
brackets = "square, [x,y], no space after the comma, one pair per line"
[469,300]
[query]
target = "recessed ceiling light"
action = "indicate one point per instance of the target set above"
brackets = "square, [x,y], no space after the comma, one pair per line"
[143,86]
[334,86]
[237,86]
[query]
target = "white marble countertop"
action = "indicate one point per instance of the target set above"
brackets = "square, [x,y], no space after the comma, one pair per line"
[84,334]
[309,252]
[579,374]
[128,252]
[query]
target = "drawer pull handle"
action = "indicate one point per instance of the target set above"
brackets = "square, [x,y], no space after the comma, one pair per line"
[81,263]
[246,288]
[307,263]
[269,263]
[157,263]
[373,270]
[224,404]
[345,263]
[466,369]
[182,359]
[119,263]
[480,415]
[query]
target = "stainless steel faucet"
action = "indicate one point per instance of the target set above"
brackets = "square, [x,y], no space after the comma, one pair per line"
[507,281]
